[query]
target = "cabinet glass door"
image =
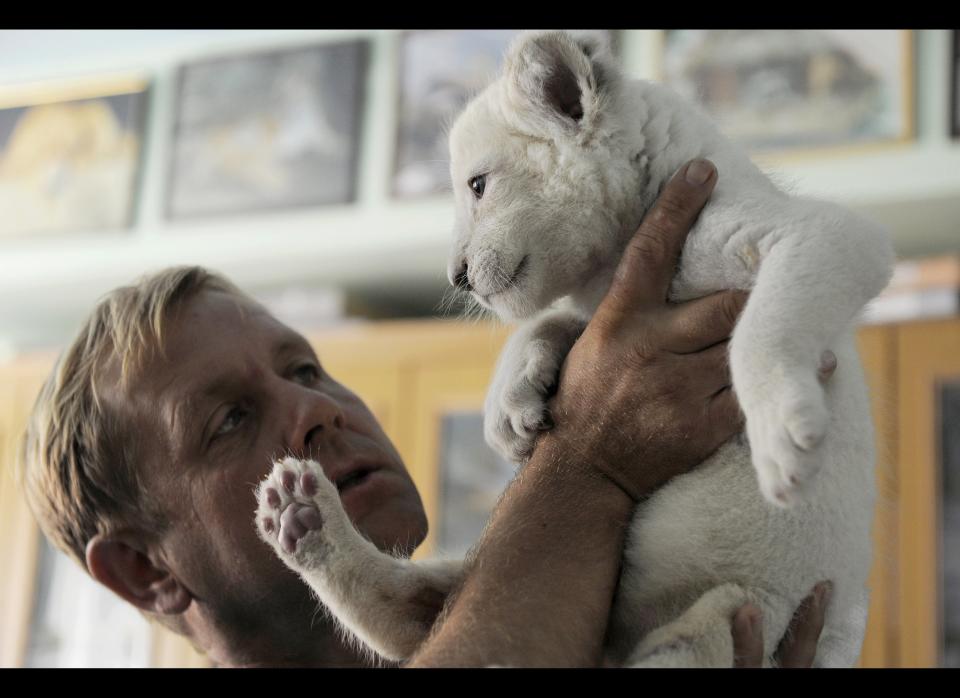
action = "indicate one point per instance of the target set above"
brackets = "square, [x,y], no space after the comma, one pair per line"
[950,507]
[471,479]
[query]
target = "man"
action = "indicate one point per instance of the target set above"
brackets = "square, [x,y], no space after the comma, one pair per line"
[170,407]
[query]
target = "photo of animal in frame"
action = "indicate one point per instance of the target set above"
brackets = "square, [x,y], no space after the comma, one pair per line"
[783,90]
[267,130]
[70,155]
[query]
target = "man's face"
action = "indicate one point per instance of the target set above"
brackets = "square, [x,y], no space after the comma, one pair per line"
[234,390]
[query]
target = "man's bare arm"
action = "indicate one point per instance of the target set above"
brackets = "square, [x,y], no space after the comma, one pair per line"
[644,395]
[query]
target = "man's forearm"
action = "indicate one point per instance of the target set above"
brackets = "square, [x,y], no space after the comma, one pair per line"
[539,588]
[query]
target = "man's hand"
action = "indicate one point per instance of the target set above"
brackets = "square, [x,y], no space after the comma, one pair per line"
[645,392]
[798,646]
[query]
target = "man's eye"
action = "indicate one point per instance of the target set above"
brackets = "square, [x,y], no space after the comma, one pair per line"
[477,185]
[233,420]
[308,373]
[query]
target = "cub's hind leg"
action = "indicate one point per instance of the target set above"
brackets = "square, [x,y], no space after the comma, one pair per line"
[701,636]
[389,604]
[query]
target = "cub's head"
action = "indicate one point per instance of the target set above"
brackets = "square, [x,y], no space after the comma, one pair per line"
[540,175]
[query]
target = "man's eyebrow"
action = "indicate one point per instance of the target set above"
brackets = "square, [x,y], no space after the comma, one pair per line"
[292,344]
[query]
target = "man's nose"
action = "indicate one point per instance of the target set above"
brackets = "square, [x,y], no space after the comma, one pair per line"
[317,418]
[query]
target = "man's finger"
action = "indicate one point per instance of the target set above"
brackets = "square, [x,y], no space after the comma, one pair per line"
[701,323]
[709,369]
[747,633]
[650,259]
[724,416]
[799,646]
[828,364]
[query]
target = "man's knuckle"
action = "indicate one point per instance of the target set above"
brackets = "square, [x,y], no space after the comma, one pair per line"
[603,329]
[670,212]
[730,307]
[648,248]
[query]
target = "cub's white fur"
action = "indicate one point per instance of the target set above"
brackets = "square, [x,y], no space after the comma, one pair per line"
[572,156]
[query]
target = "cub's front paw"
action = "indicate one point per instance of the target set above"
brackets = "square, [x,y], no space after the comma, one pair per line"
[298,511]
[516,407]
[785,428]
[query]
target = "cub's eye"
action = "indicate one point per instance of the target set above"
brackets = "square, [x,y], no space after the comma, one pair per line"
[478,184]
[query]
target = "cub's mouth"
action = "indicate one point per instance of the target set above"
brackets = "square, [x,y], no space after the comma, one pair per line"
[519,272]
[515,280]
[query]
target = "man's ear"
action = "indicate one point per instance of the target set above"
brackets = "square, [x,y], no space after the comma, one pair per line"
[562,81]
[133,576]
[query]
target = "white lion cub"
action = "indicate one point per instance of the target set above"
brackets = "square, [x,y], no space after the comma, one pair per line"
[553,167]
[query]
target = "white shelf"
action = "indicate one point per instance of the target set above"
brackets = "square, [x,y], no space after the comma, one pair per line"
[387,246]
[369,244]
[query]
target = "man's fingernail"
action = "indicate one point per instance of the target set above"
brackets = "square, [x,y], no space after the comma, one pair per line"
[823,593]
[828,361]
[745,624]
[699,171]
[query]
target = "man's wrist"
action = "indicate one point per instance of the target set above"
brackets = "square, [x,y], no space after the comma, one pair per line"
[560,457]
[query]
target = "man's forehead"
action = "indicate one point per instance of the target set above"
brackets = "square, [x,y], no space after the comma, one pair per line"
[211,334]
[217,329]
[216,312]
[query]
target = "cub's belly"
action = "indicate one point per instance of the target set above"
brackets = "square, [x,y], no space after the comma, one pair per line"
[712,526]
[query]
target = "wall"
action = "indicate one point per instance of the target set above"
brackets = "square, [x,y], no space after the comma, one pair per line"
[387,249]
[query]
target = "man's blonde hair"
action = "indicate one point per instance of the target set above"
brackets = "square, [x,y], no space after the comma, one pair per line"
[78,461]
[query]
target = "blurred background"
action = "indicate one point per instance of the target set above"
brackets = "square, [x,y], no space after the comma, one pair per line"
[311,168]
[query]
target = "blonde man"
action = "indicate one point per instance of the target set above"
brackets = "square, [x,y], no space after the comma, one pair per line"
[170,406]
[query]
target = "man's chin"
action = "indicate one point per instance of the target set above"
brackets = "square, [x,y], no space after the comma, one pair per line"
[389,512]
[399,534]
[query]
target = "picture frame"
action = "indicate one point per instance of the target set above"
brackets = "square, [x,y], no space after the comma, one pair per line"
[780,92]
[439,72]
[71,155]
[955,86]
[267,130]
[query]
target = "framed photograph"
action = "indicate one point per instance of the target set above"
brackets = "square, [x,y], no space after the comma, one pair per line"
[955,87]
[70,155]
[267,130]
[797,89]
[440,71]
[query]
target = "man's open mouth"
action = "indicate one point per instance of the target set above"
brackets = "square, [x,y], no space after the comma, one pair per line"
[355,478]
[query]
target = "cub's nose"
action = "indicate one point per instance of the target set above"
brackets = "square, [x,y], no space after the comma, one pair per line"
[458,276]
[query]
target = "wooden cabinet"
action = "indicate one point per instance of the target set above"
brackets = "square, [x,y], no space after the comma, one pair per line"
[929,358]
[413,375]
[19,534]
[878,351]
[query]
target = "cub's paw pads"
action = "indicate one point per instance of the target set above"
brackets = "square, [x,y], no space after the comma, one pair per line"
[292,502]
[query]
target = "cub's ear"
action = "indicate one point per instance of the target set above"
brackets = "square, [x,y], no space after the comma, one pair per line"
[560,83]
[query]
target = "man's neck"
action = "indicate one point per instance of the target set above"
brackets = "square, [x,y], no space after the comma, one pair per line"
[299,640]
